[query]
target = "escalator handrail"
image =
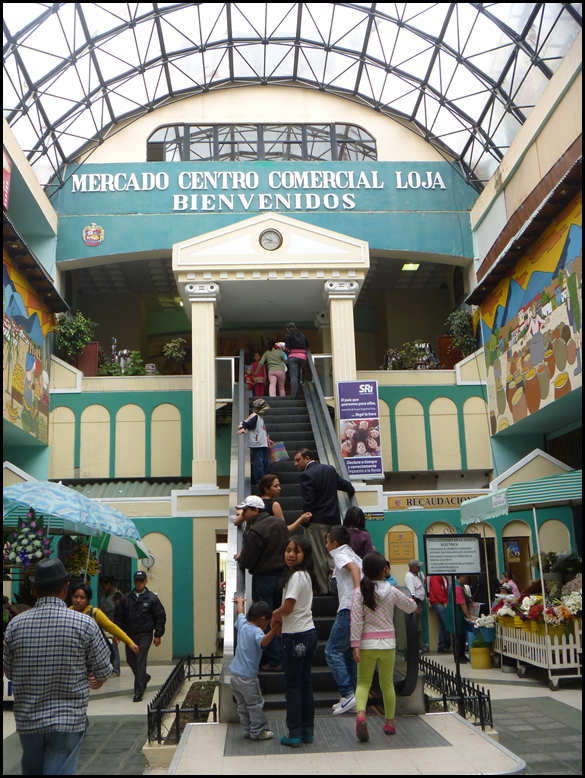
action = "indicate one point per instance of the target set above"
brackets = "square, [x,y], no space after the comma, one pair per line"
[328,448]
[239,489]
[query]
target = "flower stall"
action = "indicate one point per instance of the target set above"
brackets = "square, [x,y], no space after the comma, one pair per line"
[544,631]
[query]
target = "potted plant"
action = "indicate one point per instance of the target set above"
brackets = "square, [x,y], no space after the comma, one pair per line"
[176,351]
[487,625]
[460,325]
[558,621]
[480,653]
[74,332]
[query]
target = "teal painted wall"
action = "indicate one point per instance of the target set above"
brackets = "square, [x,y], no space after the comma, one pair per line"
[179,530]
[433,220]
[426,395]
[34,460]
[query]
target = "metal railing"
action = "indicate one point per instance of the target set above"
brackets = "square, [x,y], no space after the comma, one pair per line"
[328,448]
[472,700]
[236,579]
[159,710]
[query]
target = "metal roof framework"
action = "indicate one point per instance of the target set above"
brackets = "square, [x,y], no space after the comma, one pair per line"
[464,76]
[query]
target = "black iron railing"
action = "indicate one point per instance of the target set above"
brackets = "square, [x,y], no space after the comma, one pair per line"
[186,668]
[473,700]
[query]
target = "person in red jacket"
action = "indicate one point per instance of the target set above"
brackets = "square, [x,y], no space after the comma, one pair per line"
[438,597]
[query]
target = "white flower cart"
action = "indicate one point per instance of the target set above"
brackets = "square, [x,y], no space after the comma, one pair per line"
[560,657]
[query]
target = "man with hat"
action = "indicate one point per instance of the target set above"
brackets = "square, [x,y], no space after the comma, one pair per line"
[415,585]
[257,438]
[53,655]
[138,613]
[262,554]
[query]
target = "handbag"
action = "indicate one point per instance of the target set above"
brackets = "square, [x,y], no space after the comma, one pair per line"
[278,453]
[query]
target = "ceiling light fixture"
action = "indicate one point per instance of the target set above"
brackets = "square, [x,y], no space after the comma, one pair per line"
[410,266]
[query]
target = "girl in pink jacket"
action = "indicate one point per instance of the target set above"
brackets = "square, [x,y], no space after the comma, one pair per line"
[373,639]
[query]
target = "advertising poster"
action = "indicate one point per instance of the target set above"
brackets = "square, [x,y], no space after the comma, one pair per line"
[359,423]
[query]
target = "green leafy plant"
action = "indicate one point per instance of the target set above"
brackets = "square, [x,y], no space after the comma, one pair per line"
[479,642]
[109,367]
[412,353]
[176,351]
[74,331]
[460,325]
[548,560]
[135,364]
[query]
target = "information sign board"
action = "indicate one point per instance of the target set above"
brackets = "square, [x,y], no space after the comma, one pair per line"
[452,554]
[359,423]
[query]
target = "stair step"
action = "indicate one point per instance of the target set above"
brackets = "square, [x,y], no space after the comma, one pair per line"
[323,700]
[321,681]
[285,417]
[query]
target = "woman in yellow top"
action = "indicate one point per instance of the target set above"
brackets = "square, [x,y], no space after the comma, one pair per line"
[81,598]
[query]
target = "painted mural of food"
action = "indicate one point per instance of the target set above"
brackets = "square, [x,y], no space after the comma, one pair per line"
[562,385]
[543,380]
[571,351]
[532,391]
[561,354]
[504,424]
[18,379]
[519,405]
[549,358]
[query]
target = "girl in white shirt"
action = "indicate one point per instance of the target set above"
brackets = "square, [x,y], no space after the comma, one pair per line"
[299,641]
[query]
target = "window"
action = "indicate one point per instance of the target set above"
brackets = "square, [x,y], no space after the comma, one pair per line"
[249,142]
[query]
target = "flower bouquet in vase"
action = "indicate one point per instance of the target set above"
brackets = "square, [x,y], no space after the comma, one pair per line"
[487,625]
[558,621]
[77,560]
[28,544]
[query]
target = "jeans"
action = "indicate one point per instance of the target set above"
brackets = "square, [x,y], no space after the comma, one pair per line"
[298,654]
[265,588]
[261,461]
[50,753]
[444,634]
[116,658]
[339,655]
[295,367]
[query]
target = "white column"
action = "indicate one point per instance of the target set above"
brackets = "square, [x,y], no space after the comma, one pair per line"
[203,298]
[341,296]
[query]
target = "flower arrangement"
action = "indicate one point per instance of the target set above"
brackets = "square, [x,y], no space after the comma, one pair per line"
[576,585]
[557,615]
[28,544]
[507,610]
[528,602]
[485,621]
[536,613]
[573,603]
[77,559]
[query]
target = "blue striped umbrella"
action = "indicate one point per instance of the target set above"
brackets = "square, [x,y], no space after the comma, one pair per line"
[77,514]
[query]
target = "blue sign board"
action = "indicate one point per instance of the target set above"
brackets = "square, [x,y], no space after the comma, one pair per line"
[359,422]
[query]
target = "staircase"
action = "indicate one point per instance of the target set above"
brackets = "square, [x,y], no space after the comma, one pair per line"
[288,421]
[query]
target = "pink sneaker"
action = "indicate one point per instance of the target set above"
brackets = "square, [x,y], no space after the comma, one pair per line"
[361,729]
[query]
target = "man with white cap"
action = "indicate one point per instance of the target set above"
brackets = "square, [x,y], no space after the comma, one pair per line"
[262,554]
[54,656]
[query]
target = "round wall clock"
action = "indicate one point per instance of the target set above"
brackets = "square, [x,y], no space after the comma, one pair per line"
[271,240]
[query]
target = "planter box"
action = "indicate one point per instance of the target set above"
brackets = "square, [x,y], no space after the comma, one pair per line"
[448,358]
[87,361]
[481,658]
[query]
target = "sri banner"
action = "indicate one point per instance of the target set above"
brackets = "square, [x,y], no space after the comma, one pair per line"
[359,423]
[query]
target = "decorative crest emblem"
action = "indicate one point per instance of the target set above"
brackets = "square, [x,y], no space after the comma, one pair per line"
[93,235]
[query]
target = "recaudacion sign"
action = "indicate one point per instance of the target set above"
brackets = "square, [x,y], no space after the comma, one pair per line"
[256,190]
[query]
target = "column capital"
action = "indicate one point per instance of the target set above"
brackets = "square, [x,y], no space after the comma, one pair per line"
[202,292]
[322,319]
[340,289]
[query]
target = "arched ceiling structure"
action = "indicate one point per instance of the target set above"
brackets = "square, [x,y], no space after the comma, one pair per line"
[464,76]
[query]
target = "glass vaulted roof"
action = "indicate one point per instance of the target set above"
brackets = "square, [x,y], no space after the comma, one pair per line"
[464,76]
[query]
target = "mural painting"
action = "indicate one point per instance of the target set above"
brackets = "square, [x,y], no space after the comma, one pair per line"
[27,332]
[532,325]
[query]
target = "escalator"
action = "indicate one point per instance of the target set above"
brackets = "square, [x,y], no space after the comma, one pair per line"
[302,423]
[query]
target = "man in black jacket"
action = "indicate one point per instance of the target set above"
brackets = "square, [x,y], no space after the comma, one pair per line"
[262,554]
[138,613]
[319,487]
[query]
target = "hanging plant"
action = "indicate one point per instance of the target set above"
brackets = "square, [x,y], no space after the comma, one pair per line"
[77,559]
[28,544]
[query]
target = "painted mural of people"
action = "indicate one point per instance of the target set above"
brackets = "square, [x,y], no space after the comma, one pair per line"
[537,347]
[574,309]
